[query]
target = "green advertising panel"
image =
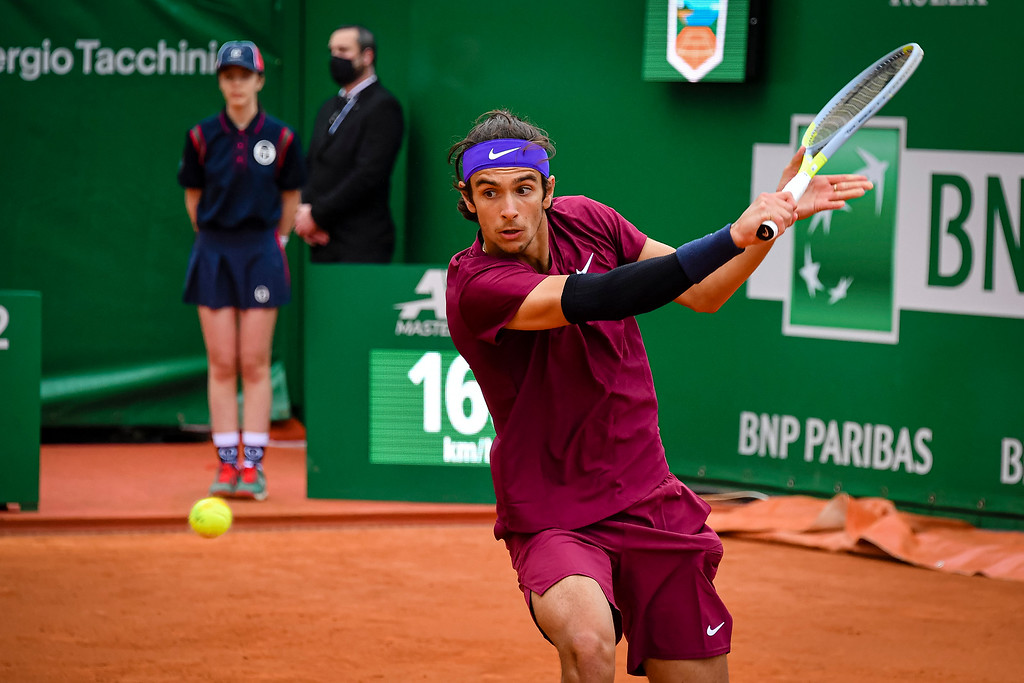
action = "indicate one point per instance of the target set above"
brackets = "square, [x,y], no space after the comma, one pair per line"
[392,410]
[20,354]
[843,273]
[900,377]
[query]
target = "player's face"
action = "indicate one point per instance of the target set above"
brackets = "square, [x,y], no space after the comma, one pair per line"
[510,204]
[239,86]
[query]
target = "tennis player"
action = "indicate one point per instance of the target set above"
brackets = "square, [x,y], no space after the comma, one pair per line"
[604,539]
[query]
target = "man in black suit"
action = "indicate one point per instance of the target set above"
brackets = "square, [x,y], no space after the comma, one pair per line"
[344,215]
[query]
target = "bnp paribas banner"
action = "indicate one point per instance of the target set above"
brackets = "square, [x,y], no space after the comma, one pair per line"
[899,368]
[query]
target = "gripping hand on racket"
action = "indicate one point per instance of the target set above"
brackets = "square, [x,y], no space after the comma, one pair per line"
[778,207]
[824,193]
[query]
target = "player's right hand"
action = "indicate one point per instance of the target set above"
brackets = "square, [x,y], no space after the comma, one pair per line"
[779,207]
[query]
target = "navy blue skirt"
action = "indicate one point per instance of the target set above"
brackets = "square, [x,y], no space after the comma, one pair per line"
[245,269]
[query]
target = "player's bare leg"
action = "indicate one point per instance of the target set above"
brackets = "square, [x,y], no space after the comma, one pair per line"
[712,670]
[575,615]
[220,333]
[256,335]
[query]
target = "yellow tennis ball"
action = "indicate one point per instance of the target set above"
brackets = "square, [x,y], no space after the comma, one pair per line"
[210,517]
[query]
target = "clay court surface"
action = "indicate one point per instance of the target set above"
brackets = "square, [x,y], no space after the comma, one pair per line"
[106,583]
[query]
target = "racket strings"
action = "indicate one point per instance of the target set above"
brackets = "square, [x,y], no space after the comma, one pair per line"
[858,99]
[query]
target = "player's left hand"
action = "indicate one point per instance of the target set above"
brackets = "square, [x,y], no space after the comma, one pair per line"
[825,192]
[830,192]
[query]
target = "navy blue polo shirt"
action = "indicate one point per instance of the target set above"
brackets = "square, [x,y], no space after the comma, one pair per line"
[241,172]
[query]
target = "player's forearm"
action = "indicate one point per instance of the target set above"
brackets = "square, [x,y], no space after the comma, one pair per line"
[712,293]
[626,290]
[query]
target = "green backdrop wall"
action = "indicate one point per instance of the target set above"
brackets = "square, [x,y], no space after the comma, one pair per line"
[925,411]
[95,220]
[97,98]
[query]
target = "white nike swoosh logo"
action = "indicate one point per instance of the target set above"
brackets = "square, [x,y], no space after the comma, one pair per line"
[713,631]
[586,267]
[492,155]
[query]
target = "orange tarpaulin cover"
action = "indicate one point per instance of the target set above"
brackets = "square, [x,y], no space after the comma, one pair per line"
[873,526]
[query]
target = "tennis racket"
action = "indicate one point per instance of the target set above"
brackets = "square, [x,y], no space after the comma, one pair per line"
[845,113]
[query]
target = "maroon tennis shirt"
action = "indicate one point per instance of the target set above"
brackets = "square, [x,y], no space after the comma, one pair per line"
[574,408]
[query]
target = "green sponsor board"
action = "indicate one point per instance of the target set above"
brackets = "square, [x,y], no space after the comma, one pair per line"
[20,354]
[844,264]
[392,410]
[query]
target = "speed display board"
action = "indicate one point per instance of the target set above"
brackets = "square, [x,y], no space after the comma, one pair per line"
[426,409]
[393,412]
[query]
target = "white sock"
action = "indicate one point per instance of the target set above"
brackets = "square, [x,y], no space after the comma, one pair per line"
[225,439]
[255,438]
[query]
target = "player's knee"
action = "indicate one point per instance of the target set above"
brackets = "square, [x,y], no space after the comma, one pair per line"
[590,650]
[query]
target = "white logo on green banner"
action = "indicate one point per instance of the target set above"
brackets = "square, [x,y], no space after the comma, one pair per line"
[940,232]
[425,317]
[843,276]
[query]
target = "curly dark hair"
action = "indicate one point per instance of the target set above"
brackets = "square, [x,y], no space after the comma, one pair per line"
[495,125]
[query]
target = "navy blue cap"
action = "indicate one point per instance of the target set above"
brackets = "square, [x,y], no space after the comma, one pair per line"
[243,53]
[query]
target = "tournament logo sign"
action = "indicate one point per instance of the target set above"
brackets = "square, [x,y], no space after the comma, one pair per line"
[843,283]
[841,279]
[939,232]
[411,322]
[685,40]
[696,36]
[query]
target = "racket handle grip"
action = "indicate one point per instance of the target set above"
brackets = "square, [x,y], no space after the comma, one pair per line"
[796,187]
[767,231]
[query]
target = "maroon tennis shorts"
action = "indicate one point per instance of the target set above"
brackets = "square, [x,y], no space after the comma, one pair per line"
[655,562]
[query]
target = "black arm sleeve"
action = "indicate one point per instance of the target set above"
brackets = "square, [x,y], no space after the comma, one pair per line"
[625,291]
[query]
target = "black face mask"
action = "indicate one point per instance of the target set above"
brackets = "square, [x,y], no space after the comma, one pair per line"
[342,71]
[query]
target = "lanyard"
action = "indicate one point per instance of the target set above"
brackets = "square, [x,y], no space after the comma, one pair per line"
[342,115]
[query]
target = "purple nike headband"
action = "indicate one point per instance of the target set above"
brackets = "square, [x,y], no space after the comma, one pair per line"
[504,153]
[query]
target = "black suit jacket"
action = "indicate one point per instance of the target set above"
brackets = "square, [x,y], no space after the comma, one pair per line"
[350,177]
